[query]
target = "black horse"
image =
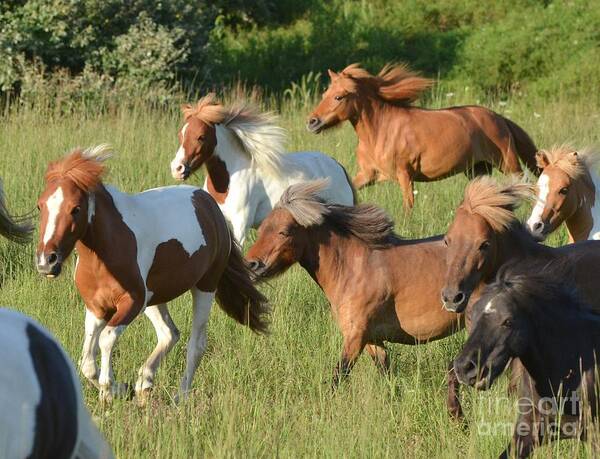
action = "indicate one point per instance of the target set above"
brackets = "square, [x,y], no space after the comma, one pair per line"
[532,313]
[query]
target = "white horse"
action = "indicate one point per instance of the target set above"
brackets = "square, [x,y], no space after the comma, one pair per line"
[567,191]
[42,413]
[247,170]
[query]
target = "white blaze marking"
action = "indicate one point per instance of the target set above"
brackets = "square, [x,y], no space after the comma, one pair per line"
[180,155]
[54,202]
[489,308]
[540,204]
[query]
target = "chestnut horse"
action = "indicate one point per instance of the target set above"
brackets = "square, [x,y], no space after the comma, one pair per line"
[380,287]
[528,313]
[566,192]
[397,141]
[485,235]
[16,229]
[247,169]
[136,253]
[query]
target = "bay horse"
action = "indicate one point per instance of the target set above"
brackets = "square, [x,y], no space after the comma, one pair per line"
[485,235]
[247,170]
[398,141]
[42,410]
[530,314]
[566,192]
[136,253]
[16,229]
[380,287]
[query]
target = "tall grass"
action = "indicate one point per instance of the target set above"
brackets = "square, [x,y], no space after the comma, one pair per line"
[269,396]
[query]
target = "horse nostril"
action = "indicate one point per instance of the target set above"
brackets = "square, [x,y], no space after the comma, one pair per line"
[459,298]
[52,258]
[313,121]
[255,265]
[538,226]
[180,168]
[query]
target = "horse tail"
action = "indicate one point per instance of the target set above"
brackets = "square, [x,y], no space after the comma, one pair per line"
[524,146]
[350,184]
[238,297]
[16,229]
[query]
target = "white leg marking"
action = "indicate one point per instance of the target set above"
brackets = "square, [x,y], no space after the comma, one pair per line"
[54,203]
[540,204]
[93,328]
[108,338]
[166,335]
[197,343]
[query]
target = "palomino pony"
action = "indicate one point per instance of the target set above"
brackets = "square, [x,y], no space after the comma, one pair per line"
[247,169]
[16,229]
[380,287]
[529,314]
[485,235]
[566,192]
[42,411]
[136,253]
[397,141]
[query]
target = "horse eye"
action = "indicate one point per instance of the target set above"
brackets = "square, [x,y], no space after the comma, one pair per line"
[75,210]
[338,97]
[201,138]
[484,246]
[284,233]
[564,190]
[507,323]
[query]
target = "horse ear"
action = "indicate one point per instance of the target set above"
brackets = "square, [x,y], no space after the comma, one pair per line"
[541,159]
[332,74]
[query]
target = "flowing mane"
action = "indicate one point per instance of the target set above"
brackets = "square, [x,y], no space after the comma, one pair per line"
[495,202]
[367,222]
[396,84]
[84,167]
[575,163]
[257,132]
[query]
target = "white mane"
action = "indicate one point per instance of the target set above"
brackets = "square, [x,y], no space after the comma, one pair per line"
[260,138]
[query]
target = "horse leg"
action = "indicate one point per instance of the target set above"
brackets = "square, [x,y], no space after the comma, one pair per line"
[87,363]
[452,400]
[364,178]
[380,357]
[108,387]
[353,346]
[166,337]
[198,339]
[478,169]
[406,183]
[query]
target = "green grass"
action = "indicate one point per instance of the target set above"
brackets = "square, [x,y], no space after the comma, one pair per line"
[268,396]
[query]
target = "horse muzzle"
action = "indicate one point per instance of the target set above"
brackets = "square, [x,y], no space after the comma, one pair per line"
[315,125]
[181,171]
[455,300]
[49,265]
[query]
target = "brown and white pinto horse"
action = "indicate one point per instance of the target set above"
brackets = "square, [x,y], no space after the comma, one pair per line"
[566,192]
[380,287]
[486,234]
[16,229]
[397,141]
[136,253]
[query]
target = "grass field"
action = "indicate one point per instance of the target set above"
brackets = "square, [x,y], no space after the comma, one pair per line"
[268,396]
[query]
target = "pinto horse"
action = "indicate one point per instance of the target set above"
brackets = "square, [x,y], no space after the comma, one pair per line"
[380,287]
[42,411]
[16,229]
[247,169]
[136,253]
[485,235]
[397,141]
[528,313]
[566,192]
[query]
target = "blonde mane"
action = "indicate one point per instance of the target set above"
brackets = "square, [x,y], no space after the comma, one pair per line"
[366,222]
[257,132]
[396,84]
[496,202]
[575,163]
[84,167]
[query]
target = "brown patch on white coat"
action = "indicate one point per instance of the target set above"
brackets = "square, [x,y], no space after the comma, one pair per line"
[140,251]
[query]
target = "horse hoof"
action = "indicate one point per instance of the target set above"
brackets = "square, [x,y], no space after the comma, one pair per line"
[116,390]
[143,396]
